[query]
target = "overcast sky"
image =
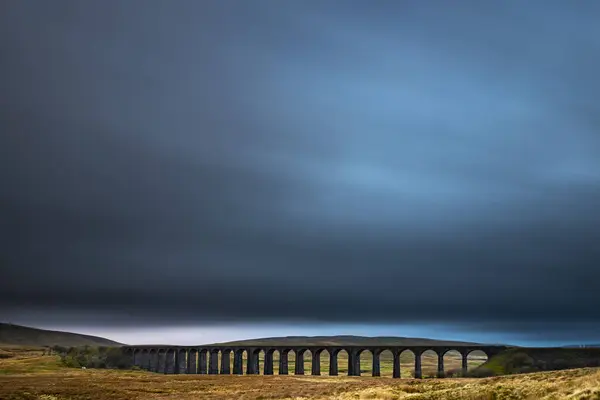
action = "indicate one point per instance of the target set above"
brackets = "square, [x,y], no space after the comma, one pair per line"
[173,170]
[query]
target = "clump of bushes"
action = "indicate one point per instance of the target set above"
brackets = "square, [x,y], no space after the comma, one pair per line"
[521,363]
[481,372]
[453,373]
[94,357]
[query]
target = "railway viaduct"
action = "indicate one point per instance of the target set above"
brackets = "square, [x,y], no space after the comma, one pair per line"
[205,359]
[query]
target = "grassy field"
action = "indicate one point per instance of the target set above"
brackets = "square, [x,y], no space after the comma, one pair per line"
[25,375]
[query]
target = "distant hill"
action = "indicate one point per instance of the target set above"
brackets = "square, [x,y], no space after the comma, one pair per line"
[25,336]
[346,340]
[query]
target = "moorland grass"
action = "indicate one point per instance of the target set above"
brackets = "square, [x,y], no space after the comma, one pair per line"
[32,376]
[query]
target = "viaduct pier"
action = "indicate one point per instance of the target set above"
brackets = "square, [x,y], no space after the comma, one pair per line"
[216,359]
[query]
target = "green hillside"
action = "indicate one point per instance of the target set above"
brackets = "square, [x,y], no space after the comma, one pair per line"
[531,359]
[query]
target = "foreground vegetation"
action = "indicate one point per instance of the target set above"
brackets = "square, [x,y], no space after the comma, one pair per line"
[26,375]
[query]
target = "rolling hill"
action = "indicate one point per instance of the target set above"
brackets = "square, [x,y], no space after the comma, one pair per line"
[347,340]
[25,336]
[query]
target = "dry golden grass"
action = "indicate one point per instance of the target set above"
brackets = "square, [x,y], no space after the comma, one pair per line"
[31,376]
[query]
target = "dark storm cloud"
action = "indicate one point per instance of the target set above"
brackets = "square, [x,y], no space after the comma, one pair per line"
[314,161]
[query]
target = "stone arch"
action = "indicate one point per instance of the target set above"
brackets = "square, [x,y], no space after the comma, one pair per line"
[338,361]
[407,358]
[386,362]
[247,360]
[299,360]
[452,361]
[324,358]
[363,361]
[135,356]
[308,357]
[285,360]
[258,357]
[192,361]
[180,361]
[317,355]
[152,360]
[225,361]
[269,367]
[203,361]
[276,360]
[142,359]
[429,363]
[239,356]
[475,358]
[334,364]
[170,360]
[161,360]
[480,352]
[213,361]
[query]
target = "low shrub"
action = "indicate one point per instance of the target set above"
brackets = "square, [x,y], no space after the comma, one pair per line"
[95,357]
[454,373]
[481,372]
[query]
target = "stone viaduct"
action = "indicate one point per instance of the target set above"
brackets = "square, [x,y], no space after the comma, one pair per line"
[205,359]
